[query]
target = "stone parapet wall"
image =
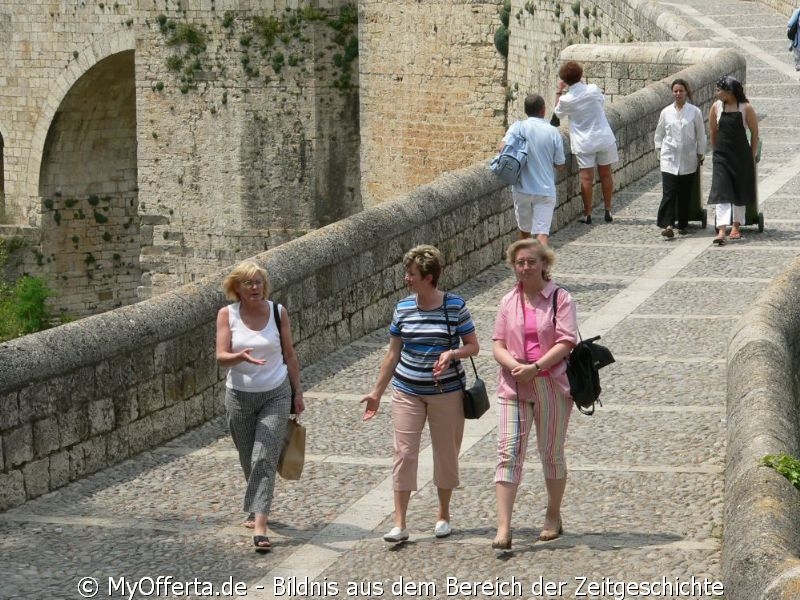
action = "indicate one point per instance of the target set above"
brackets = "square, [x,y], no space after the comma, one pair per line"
[90,393]
[782,6]
[541,29]
[761,542]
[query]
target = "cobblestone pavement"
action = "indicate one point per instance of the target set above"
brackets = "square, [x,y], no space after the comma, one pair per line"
[645,493]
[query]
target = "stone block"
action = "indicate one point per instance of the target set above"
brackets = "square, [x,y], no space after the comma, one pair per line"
[9,412]
[150,395]
[193,411]
[12,489]
[73,426]
[101,416]
[35,402]
[94,454]
[37,477]
[59,469]
[167,424]
[126,406]
[117,447]
[142,363]
[18,446]
[46,438]
[140,434]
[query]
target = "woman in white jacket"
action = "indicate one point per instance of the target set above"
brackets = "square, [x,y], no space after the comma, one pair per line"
[681,140]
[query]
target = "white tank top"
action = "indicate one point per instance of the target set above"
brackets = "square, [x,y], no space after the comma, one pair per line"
[266,344]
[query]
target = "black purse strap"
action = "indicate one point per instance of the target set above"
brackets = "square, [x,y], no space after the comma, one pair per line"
[450,339]
[276,310]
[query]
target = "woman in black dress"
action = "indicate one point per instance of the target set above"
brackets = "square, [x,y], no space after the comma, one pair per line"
[733,180]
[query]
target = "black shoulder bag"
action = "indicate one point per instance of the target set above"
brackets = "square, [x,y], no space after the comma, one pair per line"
[276,310]
[476,400]
[583,364]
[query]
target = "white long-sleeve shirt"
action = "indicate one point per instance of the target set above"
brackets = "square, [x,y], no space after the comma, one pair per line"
[589,130]
[680,136]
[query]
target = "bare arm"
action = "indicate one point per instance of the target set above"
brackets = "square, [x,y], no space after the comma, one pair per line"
[713,125]
[292,363]
[470,348]
[752,124]
[390,360]
[225,357]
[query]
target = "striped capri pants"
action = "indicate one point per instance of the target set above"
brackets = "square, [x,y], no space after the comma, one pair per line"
[549,410]
[257,422]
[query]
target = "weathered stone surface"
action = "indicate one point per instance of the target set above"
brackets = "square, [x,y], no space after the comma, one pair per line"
[12,489]
[37,477]
[101,416]
[46,438]
[18,446]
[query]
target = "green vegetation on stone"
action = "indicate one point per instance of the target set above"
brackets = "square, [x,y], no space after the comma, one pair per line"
[786,465]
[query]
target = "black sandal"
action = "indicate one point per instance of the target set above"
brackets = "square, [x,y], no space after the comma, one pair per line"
[719,241]
[258,541]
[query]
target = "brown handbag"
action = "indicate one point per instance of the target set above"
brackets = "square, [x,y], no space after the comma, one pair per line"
[290,464]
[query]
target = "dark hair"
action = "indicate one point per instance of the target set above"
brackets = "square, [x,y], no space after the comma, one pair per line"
[685,86]
[534,105]
[570,72]
[732,85]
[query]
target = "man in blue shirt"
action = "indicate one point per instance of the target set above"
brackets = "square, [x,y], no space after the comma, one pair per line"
[535,193]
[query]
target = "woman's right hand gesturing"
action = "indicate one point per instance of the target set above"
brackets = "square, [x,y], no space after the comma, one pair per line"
[245,356]
[373,401]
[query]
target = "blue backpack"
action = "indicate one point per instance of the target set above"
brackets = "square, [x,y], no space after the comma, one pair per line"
[509,163]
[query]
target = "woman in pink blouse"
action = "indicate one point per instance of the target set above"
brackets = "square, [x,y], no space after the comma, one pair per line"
[531,342]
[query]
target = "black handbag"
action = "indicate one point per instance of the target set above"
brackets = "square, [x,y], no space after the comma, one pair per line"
[476,400]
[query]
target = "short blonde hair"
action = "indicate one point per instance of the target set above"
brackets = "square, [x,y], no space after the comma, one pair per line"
[428,260]
[547,256]
[242,272]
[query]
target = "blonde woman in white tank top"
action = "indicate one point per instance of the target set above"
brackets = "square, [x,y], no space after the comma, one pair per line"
[262,385]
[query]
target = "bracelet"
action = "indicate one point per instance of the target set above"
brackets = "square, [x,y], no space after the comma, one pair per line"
[538,366]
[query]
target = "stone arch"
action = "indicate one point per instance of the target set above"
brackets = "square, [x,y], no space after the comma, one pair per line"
[88,190]
[88,57]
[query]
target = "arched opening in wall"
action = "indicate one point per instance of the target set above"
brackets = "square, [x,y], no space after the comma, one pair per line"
[88,186]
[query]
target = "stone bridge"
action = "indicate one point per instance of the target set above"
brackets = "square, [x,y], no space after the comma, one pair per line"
[96,484]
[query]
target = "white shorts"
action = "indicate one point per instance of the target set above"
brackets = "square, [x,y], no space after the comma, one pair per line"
[534,213]
[606,156]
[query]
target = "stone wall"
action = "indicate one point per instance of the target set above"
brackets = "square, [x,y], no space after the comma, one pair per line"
[432,90]
[541,29]
[215,130]
[782,6]
[761,540]
[90,393]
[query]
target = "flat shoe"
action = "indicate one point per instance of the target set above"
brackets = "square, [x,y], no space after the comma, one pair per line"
[719,241]
[262,543]
[442,529]
[607,217]
[587,220]
[547,535]
[396,535]
[735,235]
[250,521]
[667,233]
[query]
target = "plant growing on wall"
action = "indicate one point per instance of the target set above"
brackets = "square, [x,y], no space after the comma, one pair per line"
[786,465]
[22,305]
[501,36]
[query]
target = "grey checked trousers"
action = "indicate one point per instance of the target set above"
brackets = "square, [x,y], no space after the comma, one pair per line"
[257,422]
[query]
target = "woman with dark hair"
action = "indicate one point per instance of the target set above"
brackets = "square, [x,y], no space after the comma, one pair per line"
[733,180]
[680,138]
[590,136]
[431,332]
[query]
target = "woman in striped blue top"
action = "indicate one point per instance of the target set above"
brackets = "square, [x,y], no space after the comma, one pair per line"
[423,366]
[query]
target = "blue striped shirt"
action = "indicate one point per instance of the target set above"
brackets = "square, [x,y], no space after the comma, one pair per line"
[424,334]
